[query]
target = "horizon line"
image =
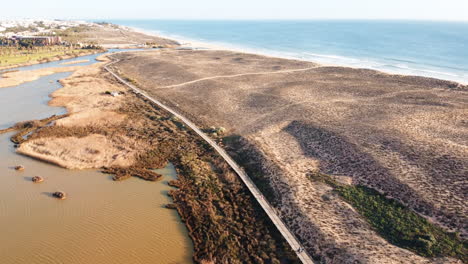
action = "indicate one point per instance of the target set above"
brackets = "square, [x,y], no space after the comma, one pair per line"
[246,19]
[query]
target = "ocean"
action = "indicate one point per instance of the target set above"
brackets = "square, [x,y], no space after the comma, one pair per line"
[424,48]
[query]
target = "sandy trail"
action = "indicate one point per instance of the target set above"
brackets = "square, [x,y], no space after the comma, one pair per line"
[236,75]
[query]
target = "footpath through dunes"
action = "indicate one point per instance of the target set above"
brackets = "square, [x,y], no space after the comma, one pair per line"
[404,136]
[256,193]
[110,127]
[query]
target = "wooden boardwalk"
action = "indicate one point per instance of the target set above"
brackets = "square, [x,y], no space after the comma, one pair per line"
[269,210]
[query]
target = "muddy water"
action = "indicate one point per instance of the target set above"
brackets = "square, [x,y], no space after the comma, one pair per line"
[101,221]
[28,101]
[86,60]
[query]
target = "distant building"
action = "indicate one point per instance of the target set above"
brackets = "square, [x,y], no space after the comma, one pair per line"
[39,40]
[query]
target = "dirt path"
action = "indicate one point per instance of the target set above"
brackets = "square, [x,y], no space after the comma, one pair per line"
[284,230]
[237,75]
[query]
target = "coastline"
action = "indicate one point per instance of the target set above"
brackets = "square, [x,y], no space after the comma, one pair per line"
[85,115]
[192,43]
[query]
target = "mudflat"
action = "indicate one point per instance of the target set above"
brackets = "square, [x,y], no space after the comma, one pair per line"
[18,77]
[404,136]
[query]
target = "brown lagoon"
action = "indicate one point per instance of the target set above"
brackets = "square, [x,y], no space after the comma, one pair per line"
[101,221]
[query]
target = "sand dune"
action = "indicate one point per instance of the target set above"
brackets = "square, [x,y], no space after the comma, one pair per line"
[402,135]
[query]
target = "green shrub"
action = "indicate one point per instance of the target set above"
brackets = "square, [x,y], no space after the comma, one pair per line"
[398,224]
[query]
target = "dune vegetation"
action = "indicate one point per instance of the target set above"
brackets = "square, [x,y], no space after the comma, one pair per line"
[403,136]
[224,222]
[396,223]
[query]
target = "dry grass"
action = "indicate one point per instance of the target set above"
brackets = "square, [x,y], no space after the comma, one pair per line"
[91,151]
[13,57]
[27,127]
[224,222]
[403,136]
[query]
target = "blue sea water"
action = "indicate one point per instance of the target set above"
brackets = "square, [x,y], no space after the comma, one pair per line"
[425,48]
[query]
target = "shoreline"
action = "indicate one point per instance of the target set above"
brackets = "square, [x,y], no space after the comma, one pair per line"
[188,42]
[129,108]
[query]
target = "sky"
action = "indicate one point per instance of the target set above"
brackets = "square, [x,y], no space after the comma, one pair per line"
[236,9]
